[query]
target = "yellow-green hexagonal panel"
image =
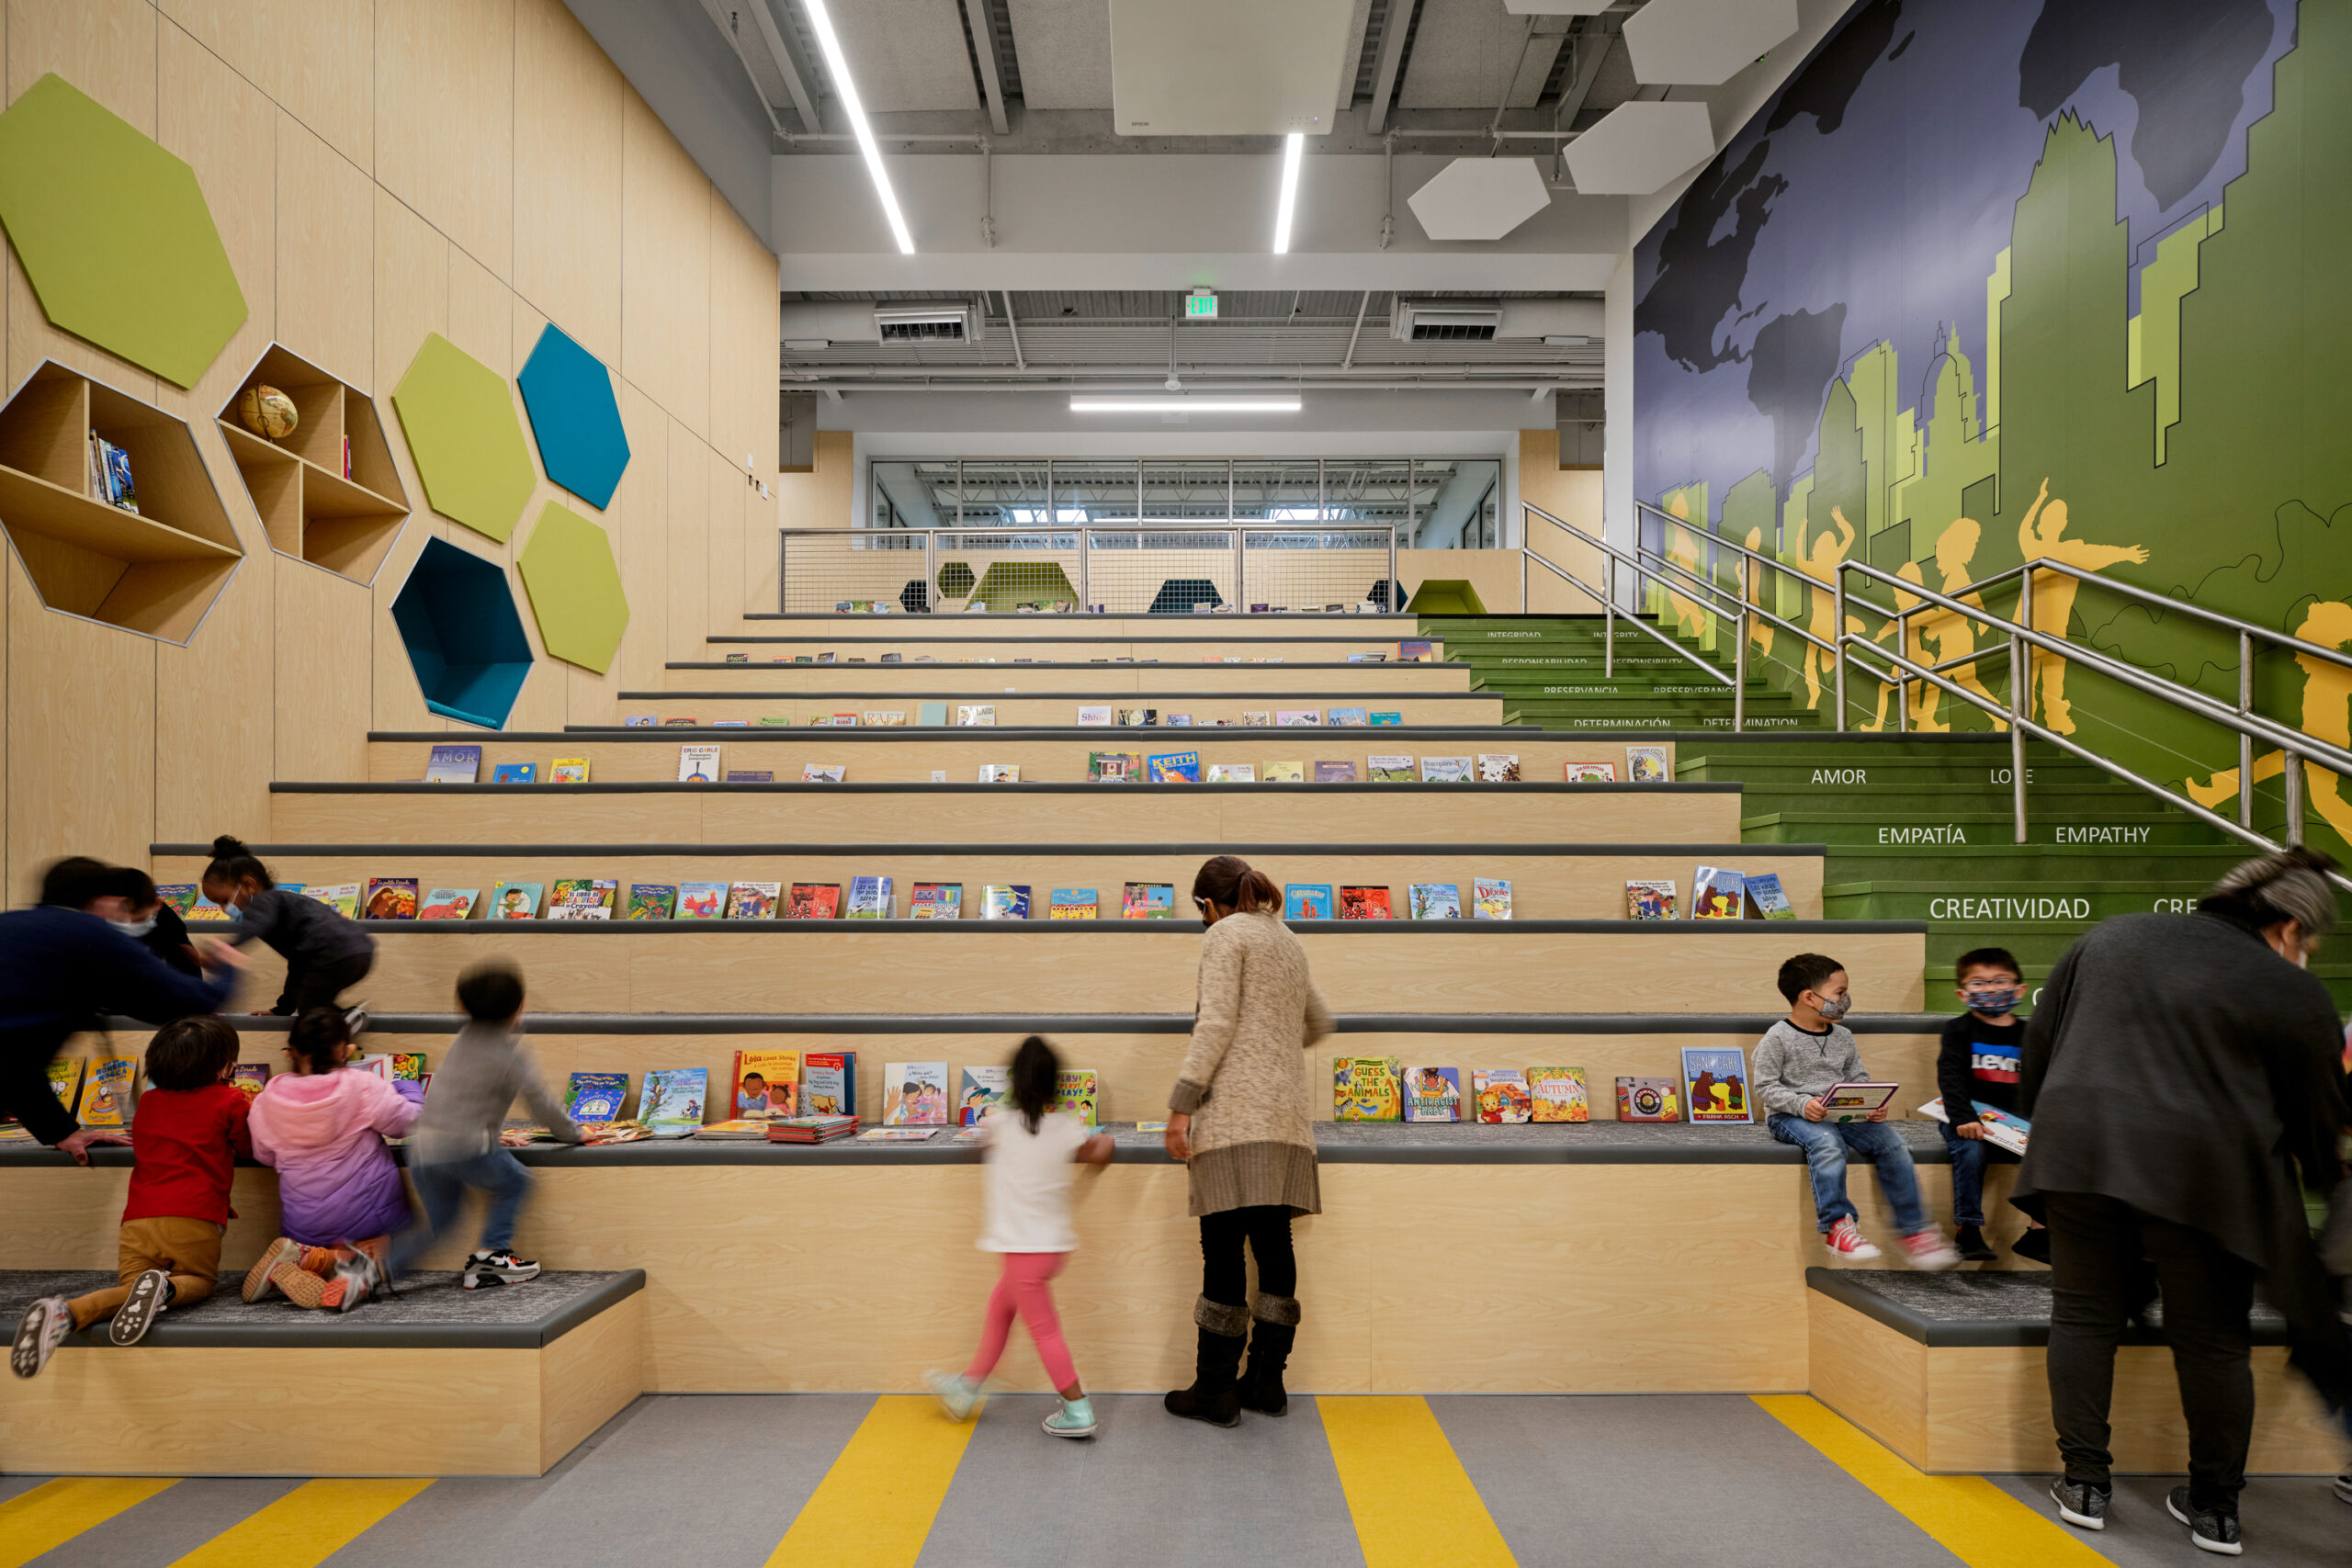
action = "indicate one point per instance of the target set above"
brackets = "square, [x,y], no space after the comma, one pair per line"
[459,420]
[575,588]
[114,234]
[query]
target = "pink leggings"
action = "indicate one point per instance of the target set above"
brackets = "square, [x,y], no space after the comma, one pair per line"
[1023,1288]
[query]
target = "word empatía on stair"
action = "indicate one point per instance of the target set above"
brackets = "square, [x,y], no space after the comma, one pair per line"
[1927,833]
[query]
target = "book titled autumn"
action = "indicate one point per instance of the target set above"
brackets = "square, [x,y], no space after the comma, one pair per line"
[1558,1094]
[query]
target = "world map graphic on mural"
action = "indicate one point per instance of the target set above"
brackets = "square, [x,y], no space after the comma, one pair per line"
[1989,280]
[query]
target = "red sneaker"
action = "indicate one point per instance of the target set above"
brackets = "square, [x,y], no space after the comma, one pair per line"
[1845,1237]
[1927,1250]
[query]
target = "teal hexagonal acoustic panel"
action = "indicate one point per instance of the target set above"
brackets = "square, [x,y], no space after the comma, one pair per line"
[575,588]
[569,395]
[468,446]
[114,234]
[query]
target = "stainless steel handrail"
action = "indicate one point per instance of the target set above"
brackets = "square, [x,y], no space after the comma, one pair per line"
[1612,557]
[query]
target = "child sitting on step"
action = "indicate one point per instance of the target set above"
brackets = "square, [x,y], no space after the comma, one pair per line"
[1977,1063]
[186,1135]
[324,1126]
[1798,1061]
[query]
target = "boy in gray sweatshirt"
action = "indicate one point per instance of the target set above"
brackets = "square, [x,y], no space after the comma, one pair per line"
[1796,1063]
[456,1142]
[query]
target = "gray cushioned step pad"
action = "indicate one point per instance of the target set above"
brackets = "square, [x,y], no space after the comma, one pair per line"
[1990,1308]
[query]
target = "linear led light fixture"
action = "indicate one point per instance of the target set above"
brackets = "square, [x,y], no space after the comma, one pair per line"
[838,63]
[1294,147]
[1185,405]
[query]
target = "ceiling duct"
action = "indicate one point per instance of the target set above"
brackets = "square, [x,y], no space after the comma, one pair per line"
[1445,320]
[1560,323]
[950,322]
[809,326]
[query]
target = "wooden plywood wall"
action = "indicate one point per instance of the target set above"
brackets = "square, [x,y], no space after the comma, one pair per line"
[380,171]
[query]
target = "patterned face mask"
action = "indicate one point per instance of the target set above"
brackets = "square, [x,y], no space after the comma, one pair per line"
[1992,998]
[1832,1008]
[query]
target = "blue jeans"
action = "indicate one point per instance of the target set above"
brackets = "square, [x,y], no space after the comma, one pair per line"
[1826,1145]
[1969,1158]
[497,1175]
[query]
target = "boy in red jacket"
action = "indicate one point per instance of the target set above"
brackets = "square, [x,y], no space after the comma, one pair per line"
[185,1138]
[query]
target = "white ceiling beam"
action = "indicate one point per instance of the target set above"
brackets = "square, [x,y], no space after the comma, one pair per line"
[1397,23]
[790,65]
[976,17]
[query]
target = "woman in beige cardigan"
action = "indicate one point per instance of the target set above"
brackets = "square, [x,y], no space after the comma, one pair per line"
[1242,1120]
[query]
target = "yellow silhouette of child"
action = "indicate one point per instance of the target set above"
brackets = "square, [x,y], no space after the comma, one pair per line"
[2327,716]
[2053,592]
[1821,564]
[1909,572]
[1954,634]
[1689,620]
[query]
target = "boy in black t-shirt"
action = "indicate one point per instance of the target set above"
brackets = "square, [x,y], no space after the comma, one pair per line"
[1979,1062]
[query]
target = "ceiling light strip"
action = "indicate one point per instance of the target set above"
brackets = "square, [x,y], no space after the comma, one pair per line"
[1183,405]
[1294,148]
[846,89]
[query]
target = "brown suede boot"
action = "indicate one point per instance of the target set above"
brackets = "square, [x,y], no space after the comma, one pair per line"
[1272,1332]
[1211,1398]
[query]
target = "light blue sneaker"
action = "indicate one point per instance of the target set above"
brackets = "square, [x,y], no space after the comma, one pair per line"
[1074,1419]
[959,1396]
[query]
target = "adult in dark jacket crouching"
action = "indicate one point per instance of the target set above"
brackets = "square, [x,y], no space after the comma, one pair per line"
[2180,1071]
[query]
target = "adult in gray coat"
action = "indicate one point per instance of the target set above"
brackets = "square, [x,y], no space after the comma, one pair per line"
[2181,1071]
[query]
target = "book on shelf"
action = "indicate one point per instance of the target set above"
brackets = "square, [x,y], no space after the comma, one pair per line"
[885,719]
[652,900]
[935,714]
[1351,717]
[638,721]
[1435,900]
[1175,767]
[1093,714]
[1174,720]
[1648,1099]
[516,900]
[1115,767]
[583,899]
[1855,1099]
[1147,901]
[983,1089]
[595,1096]
[775,721]
[701,900]
[1646,764]
[2003,1129]
[914,1094]
[1363,902]
[828,1083]
[896,1135]
[568,769]
[1295,717]
[64,1074]
[1256,716]
[1306,901]
[106,1093]
[1766,898]
[1337,770]
[1137,718]
[1386,718]
[1233,772]
[811,1129]
[1649,898]
[823,773]
[975,713]
[1414,649]
[1589,773]
[1717,893]
[179,898]
[892,658]
[1073,904]
[1431,1094]
[1715,1082]
[870,898]
[516,773]
[753,900]
[389,898]
[110,474]
[812,901]
[670,1103]
[734,1130]
[750,775]
[698,764]
[1079,1091]
[1558,1094]
[1389,768]
[453,764]
[1497,767]
[766,1084]
[394,1066]
[251,1078]
[343,898]
[346,457]
[1285,772]
[1005,902]
[1446,770]
[739,659]
[1500,1095]
[1365,1089]
[1491,898]
[936,901]
[1000,772]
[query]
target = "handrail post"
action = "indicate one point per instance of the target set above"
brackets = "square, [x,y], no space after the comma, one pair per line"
[1837,642]
[931,568]
[2246,742]
[2018,658]
[1739,670]
[1240,568]
[2294,781]
[1396,589]
[1609,617]
[783,554]
[1902,677]
[1085,553]
[2021,701]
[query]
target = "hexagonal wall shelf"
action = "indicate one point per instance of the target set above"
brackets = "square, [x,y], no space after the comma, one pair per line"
[1009,584]
[456,618]
[575,588]
[149,555]
[469,445]
[326,491]
[114,234]
[569,395]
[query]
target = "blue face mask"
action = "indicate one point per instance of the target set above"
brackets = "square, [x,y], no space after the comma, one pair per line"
[236,911]
[1995,1000]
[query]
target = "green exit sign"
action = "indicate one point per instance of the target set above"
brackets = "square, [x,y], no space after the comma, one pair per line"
[1200,306]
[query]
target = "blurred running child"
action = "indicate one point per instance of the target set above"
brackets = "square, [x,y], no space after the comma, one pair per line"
[1031,1150]
[152,923]
[1979,1062]
[324,953]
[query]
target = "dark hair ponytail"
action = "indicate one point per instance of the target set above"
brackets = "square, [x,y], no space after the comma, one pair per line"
[315,1037]
[1037,1081]
[1233,882]
[233,863]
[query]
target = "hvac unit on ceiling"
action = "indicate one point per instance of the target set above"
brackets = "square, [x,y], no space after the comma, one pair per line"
[1555,322]
[923,324]
[810,326]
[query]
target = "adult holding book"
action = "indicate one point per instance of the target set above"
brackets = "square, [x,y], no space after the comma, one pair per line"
[2182,1074]
[1241,1118]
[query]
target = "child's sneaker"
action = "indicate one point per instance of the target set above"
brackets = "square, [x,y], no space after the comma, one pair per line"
[2080,1504]
[1845,1238]
[1074,1419]
[355,1020]
[499,1267]
[2209,1530]
[43,1329]
[958,1396]
[258,1283]
[1927,1250]
[1971,1246]
[2033,1246]
[2344,1487]
[149,1294]
[359,1277]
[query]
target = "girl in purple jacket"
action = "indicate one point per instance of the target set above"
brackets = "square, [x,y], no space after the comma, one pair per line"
[324,1126]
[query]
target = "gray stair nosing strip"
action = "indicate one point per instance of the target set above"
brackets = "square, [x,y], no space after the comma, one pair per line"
[1707,852]
[664,786]
[1191,667]
[657,733]
[1976,1332]
[1465,927]
[933,618]
[987,696]
[558,1023]
[361,1332]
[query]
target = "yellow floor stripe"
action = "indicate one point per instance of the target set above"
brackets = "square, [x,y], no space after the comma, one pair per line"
[306,1527]
[1967,1515]
[56,1511]
[874,1507]
[1412,1501]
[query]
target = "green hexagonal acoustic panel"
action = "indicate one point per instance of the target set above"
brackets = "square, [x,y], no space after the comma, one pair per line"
[468,446]
[575,588]
[114,234]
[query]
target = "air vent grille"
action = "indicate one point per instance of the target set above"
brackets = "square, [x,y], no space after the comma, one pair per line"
[1453,332]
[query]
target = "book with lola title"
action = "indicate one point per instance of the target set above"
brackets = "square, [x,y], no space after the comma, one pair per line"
[1432,1094]
[766,1085]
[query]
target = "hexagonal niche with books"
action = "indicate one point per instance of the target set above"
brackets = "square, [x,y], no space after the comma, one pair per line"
[110,507]
[326,489]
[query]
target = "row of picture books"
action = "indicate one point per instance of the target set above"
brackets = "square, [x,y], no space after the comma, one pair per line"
[1072,607]
[102,1091]
[1410,650]
[932,716]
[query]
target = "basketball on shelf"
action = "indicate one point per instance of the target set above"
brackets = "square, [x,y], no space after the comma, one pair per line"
[268,411]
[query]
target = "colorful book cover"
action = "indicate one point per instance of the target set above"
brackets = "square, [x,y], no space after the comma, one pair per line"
[914,1094]
[1256,716]
[1502,1095]
[1767,898]
[1365,1089]
[1175,767]
[250,1077]
[1137,718]
[516,901]
[1414,649]
[1648,1099]
[764,1086]
[1285,772]
[638,721]
[453,764]
[701,900]
[1174,720]
[1005,903]
[886,718]
[1295,717]
[1307,901]
[1558,1094]
[653,901]
[1648,899]
[1363,904]
[1717,1082]
[389,898]
[870,898]
[1589,773]
[896,1135]
[750,775]
[107,1091]
[845,720]
[595,1096]
[179,898]
[983,1089]
[343,898]
[568,769]
[807,901]
[698,764]
[1147,901]
[1435,900]
[1446,770]
[1115,767]
[1491,898]
[936,901]
[448,904]
[975,713]
[671,1101]
[516,773]
[828,1083]
[1432,1094]
[1340,770]
[1646,764]
[1353,719]
[1081,1092]
[1497,767]
[1233,772]
[1073,904]
[1717,893]
[64,1074]
[583,899]
[823,773]
[1389,769]
[1091,714]
[753,900]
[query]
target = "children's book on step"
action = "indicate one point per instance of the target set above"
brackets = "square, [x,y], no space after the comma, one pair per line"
[737,1129]
[1717,893]
[1716,1083]
[1500,1095]
[1337,771]
[639,721]
[107,1091]
[453,764]
[1307,901]
[595,1096]
[1589,773]
[1363,902]
[1073,904]
[1436,901]
[343,898]
[1491,898]
[653,901]
[1386,718]
[1353,717]
[516,901]
[914,1094]
[1094,713]
[1414,649]
[885,719]
[1855,1100]
[251,1078]
[1285,772]
[1558,1094]
[805,1129]
[1497,767]
[686,723]
[1446,770]
[766,1085]
[181,898]
[1000,772]
[1646,764]
[1233,772]
[1005,902]
[568,769]
[870,898]
[64,1074]
[1389,768]
[1079,1091]
[828,1083]
[750,775]
[698,764]
[1365,1089]
[1648,1099]
[983,1089]
[1115,767]
[753,900]
[1147,901]
[583,899]
[1175,767]
[810,901]
[702,900]
[823,773]
[389,898]
[1137,718]
[1766,901]
[1294,716]
[1431,1094]
[1256,716]
[516,772]
[1649,898]
[898,1135]
[2003,1129]
[936,901]
[670,1105]
[1173,720]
